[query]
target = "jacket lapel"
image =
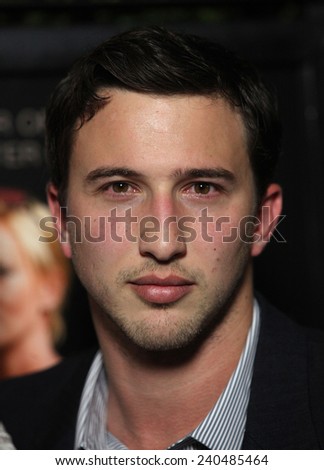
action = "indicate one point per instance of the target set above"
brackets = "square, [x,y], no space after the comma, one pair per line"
[278,414]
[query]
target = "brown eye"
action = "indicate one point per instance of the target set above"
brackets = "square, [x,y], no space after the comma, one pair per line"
[120,187]
[202,188]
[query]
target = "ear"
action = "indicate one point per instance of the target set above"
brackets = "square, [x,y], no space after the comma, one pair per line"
[269,216]
[59,213]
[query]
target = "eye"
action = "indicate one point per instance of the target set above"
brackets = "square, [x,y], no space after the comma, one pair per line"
[120,187]
[202,188]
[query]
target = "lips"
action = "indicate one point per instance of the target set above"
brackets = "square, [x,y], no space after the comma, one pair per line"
[161,290]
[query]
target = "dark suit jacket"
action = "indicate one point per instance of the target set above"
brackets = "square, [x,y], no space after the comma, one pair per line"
[286,408]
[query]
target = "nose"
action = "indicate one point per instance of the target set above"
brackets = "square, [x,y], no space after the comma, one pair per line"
[160,237]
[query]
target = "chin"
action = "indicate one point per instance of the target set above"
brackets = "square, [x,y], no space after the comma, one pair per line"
[165,338]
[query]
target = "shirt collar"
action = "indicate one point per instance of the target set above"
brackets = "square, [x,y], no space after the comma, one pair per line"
[224,426]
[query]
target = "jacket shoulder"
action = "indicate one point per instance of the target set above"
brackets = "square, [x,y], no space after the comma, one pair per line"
[286,405]
[39,410]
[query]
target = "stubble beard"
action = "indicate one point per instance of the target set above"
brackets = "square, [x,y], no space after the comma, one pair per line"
[165,329]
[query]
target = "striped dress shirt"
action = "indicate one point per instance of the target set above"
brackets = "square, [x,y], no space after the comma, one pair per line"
[222,429]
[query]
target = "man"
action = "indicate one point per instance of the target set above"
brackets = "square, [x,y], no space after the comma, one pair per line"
[162,149]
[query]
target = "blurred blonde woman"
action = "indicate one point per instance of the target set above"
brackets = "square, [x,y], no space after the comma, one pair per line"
[34,276]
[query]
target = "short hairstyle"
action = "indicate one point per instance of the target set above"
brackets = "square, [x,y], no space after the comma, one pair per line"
[154,60]
[22,214]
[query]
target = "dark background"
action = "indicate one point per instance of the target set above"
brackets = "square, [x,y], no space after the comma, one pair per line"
[285,39]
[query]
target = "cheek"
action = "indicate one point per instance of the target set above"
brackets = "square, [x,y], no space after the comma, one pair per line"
[218,234]
[100,254]
[217,229]
[99,229]
[221,252]
[14,290]
[18,306]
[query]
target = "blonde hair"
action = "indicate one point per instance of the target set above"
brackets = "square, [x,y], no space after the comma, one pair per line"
[23,213]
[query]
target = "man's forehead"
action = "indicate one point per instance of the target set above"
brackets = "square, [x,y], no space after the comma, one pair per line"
[124,106]
[119,96]
[182,132]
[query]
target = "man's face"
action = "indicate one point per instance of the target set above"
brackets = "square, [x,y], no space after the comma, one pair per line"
[162,186]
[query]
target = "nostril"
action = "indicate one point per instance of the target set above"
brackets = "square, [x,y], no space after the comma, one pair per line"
[161,250]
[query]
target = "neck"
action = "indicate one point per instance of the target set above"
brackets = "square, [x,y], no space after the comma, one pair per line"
[157,398]
[26,355]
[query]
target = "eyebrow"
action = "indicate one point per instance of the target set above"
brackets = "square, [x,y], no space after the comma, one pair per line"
[205,173]
[108,172]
